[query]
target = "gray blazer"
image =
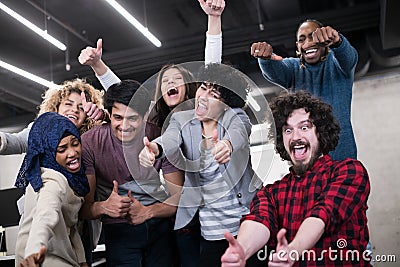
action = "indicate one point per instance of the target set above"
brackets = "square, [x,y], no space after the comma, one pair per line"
[181,145]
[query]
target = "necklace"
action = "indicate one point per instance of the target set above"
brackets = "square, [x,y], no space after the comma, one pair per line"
[205,136]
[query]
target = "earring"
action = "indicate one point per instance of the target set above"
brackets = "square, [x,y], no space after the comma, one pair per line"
[298,54]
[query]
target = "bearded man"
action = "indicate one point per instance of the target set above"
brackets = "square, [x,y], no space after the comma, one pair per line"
[316,214]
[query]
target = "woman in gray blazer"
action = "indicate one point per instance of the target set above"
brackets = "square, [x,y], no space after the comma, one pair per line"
[211,144]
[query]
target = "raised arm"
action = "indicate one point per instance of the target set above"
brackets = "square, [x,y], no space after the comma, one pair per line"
[91,56]
[213,49]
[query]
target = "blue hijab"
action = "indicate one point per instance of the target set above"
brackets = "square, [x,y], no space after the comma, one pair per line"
[44,137]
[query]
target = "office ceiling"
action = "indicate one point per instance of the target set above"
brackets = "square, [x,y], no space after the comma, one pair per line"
[371,26]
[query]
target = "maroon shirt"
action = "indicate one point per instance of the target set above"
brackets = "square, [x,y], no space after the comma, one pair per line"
[108,159]
[334,191]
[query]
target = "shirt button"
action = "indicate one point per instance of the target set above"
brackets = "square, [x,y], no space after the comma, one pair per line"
[239,195]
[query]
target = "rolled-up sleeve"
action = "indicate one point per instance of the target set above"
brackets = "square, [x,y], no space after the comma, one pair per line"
[346,193]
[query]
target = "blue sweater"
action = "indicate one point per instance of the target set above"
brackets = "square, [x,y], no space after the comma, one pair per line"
[331,80]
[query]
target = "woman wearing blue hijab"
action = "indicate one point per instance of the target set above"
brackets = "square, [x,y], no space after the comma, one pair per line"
[55,185]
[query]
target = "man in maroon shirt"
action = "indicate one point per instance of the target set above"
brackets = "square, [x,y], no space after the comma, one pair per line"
[129,199]
[315,215]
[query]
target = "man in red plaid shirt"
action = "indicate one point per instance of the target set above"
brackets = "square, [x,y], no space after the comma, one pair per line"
[315,215]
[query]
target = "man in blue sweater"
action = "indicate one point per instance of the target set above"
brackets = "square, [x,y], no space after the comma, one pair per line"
[325,67]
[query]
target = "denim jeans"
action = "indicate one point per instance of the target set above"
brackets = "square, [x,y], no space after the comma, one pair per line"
[147,244]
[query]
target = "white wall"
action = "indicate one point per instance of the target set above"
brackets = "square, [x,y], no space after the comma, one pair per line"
[9,167]
[375,116]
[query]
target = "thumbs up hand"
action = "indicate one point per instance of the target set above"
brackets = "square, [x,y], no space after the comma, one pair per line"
[91,55]
[138,213]
[282,256]
[91,109]
[116,206]
[234,255]
[149,153]
[222,149]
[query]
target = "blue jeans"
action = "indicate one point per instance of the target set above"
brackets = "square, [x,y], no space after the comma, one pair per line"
[147,244]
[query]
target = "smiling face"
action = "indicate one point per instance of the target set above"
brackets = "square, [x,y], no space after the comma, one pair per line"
[68,153]
[126,123]
[301,141]
[208,105]
[310,51]
[71,107]
[173,87]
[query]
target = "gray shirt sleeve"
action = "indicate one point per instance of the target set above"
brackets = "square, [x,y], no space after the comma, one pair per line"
[14,143]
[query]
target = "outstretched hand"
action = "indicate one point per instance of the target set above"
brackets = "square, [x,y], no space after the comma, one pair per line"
[263,50]
[282,256]
[91,55]
[34,260]
[212,7]
[148,154]
[91,109]
[234,254]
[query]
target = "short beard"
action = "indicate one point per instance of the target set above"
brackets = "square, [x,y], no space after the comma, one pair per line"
[301,168]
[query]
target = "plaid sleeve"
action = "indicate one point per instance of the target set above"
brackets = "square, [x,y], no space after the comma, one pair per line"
[346,193]
[263,210]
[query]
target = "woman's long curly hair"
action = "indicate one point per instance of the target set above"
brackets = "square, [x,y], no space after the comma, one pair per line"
[54,96]
[327,126]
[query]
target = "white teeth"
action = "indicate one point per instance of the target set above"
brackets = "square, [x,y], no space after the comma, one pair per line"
[299,146]
[73,161]
[202,105]
[311,51]
[72,116]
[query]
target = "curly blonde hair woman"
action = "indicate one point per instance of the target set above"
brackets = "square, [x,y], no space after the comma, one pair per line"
[84,110]
[54,97]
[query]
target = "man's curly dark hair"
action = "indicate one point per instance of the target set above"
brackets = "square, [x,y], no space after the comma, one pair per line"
[327,126]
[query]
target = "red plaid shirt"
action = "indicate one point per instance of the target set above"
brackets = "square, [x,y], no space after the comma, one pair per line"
[334,191]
